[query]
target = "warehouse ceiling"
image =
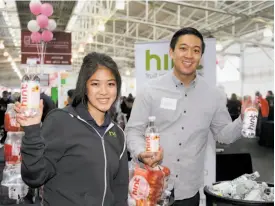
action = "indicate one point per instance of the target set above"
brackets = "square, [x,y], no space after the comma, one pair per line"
[228,21]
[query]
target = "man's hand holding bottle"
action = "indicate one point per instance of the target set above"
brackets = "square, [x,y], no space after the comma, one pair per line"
[151,159]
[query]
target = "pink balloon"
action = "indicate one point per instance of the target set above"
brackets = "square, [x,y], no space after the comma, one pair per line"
[47,9]
[42,21]
[47,35]
[35,7]
[36,37]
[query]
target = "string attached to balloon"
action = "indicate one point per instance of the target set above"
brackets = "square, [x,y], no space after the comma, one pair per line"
[42,27]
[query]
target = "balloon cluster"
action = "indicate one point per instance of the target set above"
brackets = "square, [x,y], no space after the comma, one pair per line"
[42,27]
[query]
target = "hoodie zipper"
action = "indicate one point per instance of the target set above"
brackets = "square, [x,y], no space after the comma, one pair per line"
[104,152]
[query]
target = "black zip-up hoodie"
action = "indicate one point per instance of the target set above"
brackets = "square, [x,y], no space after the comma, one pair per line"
[76,165]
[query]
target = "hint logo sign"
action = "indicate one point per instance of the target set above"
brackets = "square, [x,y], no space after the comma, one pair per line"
[161,62]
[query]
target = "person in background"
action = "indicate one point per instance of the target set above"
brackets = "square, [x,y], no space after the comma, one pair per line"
[186,109]
[10,96]
[130,96]
[70,94]
[263,112]
[48,105]
[4,101]
[234,107]
[264,108]
[126,106]
[269,94]
[79,154]
[270,99]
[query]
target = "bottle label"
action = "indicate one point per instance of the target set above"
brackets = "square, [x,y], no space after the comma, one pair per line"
[139,187]
[152,142]
[13,121]
[250,120]
[15,149]
[30,94]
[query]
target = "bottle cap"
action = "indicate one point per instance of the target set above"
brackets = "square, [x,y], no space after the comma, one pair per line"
[167,192]
[152,118]
[257,174]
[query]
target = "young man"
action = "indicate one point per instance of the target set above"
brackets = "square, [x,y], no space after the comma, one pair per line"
[186,109]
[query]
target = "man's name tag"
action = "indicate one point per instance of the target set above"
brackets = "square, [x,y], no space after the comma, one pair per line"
[167,103]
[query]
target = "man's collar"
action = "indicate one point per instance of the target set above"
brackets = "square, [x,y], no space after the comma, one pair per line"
[178,82]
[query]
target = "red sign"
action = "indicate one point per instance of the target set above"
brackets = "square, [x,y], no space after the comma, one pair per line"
[57,52]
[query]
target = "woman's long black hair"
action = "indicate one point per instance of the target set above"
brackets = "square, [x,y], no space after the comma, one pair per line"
[89,66]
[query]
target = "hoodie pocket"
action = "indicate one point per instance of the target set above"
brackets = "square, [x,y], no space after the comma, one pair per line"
[90,200]
[76,198]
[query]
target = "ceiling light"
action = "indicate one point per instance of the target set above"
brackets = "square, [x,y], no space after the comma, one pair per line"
[13,64]
[2,4]
[75,55]
[219,47]
[2,46]
[128,73]
[9,59]
[101,27]
[268,32]
[81,49]
[120,4]
[90,39]
[6,54]
[15,43]
[11,31]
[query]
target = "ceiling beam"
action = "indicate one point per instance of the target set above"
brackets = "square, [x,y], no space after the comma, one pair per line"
[206,8]
[110,45]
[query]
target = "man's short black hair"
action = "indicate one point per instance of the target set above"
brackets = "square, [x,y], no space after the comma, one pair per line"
[70,93]
[186,31]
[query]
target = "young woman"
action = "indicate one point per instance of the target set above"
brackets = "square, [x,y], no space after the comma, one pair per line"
[79,154]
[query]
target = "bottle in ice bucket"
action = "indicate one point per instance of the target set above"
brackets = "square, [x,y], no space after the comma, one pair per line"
[250,121]
[227,188]
[253,176]
[152,136]
[30,90]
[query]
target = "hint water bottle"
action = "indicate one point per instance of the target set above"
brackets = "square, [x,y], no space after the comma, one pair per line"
[165,200]
[250,122]
[152,136]
[30,90]
[253,176]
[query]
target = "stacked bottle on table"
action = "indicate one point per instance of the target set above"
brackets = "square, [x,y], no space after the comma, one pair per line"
[12,179]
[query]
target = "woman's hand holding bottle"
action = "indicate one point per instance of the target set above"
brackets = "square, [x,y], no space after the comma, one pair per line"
[27,121]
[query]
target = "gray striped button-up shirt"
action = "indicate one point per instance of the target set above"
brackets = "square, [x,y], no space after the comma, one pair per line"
[184,117]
